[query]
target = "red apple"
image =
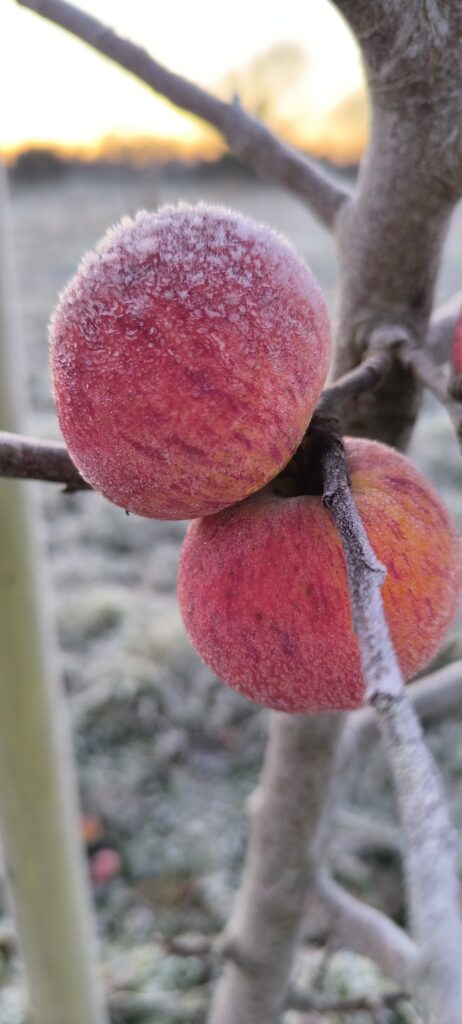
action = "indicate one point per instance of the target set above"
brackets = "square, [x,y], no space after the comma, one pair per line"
[187,356]
[263,587]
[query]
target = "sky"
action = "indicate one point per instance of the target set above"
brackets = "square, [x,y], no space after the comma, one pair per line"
[59,91]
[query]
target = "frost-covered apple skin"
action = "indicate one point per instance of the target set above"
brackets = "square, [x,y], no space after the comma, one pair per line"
[263,587]
[187,356]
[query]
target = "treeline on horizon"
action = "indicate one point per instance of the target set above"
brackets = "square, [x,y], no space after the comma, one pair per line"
[41,164]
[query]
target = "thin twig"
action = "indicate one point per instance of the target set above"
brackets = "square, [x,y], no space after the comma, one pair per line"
[331,910]
[442,326]
[367,375]
[247,137]
[365,577]
[430,842]
[426,371]
[433,697]
[437,380]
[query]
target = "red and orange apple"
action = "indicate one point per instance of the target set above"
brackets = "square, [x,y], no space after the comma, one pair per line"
[263,587]
[187,356]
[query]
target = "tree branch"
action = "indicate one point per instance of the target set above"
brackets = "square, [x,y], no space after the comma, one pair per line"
[395,949]
[442,326]
[365,577]
[437,380]
[247,137]
[430,843]
[28,458]
[363,377]
[333,910]
[268,915]
[390,938]
[433,697]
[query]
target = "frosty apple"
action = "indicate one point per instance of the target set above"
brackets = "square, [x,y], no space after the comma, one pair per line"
[187,355]
[263,586]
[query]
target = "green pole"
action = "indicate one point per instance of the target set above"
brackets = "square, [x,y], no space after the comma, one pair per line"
[38,806]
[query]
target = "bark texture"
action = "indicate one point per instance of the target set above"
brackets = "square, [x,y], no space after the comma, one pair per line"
[29,458]
[433,888]
[391,235]
[269,910]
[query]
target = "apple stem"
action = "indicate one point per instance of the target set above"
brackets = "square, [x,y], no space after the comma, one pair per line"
[302,475]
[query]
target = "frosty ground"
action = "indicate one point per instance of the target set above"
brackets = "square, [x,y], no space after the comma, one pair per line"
[166,754]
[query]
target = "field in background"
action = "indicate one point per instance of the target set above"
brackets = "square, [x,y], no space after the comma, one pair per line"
[166,753]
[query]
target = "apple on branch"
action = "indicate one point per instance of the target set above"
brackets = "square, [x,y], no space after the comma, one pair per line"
[263,587]
[187,356]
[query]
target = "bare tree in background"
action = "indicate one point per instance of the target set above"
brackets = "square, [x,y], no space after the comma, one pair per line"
[263,84]
[389,233]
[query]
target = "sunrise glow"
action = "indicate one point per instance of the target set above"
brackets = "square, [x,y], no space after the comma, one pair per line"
[59,92]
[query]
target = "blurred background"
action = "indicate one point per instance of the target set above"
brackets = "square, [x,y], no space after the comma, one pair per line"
[167,754]
[298,68]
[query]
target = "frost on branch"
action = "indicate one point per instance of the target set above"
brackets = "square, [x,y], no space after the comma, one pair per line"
[430,847]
